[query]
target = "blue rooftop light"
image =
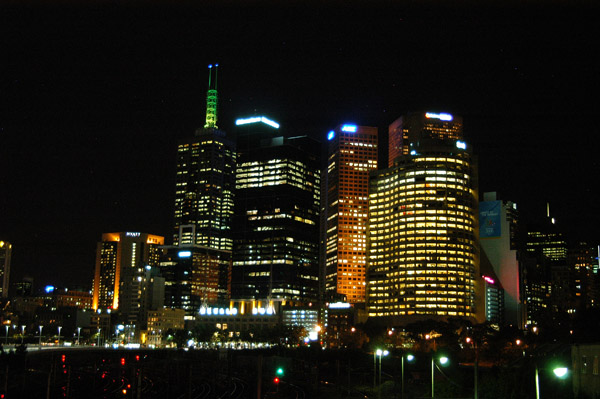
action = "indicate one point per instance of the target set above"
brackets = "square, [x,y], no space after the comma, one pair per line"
[49,289]
[209,66]
[349,128]
[256,119]
[442,117]
[184,254]
[330,135]
[461,144]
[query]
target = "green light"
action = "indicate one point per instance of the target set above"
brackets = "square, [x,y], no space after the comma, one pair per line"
[443,360]
[560,372]
[279,371]
[410,358]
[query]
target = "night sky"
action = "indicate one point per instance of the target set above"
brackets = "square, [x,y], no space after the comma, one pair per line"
[94,97]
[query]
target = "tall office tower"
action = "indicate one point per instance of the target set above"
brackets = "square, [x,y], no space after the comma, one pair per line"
[197,268]
[545,271]
[416,126]
[5,254]
[205,182]
[121,261]
[497,232]
[423,258]
[582,258]
[275,256]
[352,154]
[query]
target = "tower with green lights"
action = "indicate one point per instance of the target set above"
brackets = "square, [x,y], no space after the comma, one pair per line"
[204,190]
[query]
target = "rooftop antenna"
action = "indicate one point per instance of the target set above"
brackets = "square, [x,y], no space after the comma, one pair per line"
[211,99]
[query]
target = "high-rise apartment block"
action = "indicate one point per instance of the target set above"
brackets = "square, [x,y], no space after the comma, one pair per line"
[423,258]
[352,155]
[5,255]
[121,262]
[276,241]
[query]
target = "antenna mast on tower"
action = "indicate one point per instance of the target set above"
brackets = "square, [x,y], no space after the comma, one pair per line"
[211,99]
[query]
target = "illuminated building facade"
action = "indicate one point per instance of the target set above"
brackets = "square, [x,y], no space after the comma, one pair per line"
[423,259]
[121,260]
[195,276]
[5,255]
[417,126]
[205,182]
[497,234]
[276,239]
[546,276]
[352,154]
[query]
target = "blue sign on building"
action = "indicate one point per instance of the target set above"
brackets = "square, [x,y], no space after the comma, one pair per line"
[490,219]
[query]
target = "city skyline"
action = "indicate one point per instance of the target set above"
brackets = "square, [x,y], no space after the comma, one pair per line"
[79,99]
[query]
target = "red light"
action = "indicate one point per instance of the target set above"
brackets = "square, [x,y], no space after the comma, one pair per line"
[122,361]
[137,358]
[63,358]
[276,380]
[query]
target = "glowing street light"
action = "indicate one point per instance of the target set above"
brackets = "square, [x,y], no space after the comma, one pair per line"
[379,353]
[22,333]
[409,358]
[443,360]
[559,372]
[41,337]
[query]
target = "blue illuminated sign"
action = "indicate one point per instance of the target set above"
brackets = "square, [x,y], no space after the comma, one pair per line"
[442,117]
[461,144]
[490,218]
[349,128]
[184,254]
[330,135]
[256,119]
[49,289]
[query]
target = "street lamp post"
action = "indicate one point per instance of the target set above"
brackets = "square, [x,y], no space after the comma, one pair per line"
[378,354]
[7,327]
[443,360]
[559,372]
[59,328]
[409,358]
[22,334]
[99,336]
[41,337]
[78,334]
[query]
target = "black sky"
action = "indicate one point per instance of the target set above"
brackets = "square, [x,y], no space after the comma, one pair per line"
[94,97]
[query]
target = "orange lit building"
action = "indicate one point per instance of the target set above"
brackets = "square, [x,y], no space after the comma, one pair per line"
[121,259]
[352,154]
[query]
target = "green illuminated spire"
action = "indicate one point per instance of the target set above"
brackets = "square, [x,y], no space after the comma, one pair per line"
[211,100]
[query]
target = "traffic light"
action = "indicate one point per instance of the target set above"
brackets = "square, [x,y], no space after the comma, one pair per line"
[276,380]
[279,371]
[63,358]
[122,361]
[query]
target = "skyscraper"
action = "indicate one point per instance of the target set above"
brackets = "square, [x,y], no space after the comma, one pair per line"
[205,182]
[121,260]
[276,238]
[422,235]
[497,232]
[197,268]
[352,154]
[416,126]
[5,255]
